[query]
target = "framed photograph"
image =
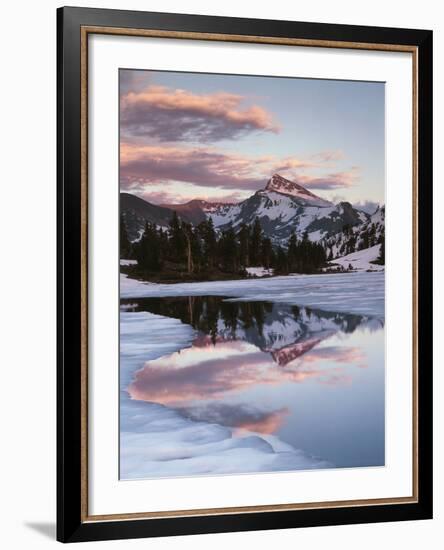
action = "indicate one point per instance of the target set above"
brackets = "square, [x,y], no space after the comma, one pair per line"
[245,274]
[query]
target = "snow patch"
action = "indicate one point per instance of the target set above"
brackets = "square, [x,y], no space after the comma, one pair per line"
[259,271]
[360,260]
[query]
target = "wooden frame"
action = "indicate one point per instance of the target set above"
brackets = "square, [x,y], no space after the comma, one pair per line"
[74,26]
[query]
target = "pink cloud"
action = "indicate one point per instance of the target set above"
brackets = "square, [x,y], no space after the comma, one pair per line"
[194,374]
[144,165]
[200,166]
[178,115]
[269,423]
[333,180]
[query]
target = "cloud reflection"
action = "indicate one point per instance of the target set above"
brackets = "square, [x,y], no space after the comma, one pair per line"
[242,348]
[241,416]
[204,374]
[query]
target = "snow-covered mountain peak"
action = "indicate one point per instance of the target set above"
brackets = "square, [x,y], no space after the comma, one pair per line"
[283,185]
[283,207]
[279,184]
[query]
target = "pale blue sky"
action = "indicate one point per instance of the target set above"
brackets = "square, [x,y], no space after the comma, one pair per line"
[335,128]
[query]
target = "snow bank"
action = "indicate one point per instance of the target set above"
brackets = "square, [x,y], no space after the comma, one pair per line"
[361,293]
[128,262]
[360,260]
[259,271]
[145,336]
[158,442]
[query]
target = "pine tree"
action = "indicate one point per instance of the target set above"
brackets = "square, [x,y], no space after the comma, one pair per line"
[178,239]
[255,242]
[365,240]
[303,256]
[281,265]
[164,244]
[292,252]
[351,244]
[229,251]
[208,236]
[266,252]
[197,250]
[125,245]
[381,257]
[188,233]
[147,251]
[244,245]
[304,253]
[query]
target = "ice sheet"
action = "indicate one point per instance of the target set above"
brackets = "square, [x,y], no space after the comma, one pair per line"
[360,293]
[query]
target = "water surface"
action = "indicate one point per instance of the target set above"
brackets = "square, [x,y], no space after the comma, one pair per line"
[312,378]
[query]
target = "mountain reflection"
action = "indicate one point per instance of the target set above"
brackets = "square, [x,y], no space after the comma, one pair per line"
[241,349]
[285,332]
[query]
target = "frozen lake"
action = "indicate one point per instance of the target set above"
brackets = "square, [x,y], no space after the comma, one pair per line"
[274,374]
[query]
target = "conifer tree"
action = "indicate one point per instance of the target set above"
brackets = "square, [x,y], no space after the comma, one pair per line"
[125,245]
[281,261]
[381,257]
[178,239]
[164,244]
[147,250]
[255,242]
[266,252]
[229,250]
[209,249]
[244,245]
[292,252]
[188,234]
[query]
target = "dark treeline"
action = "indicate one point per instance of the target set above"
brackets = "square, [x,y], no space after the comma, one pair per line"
[193,252]
[216,317]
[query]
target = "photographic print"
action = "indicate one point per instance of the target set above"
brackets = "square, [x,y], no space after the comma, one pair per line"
[235,352]
[252,209]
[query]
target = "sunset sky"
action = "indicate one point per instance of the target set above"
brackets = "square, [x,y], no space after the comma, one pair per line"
[220,137]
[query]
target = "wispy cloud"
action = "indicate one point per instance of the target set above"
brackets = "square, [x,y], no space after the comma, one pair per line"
[143,167]
[329,156]
[171,115]
[367,206]
[202,166]
[333,180]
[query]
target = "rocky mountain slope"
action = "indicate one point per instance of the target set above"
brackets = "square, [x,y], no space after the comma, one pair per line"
[358,237]
[282,207]
[136,212]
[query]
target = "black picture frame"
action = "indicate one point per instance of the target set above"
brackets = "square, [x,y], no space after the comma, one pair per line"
[71,523]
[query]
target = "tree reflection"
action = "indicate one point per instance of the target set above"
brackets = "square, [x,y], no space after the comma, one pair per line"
[286,331]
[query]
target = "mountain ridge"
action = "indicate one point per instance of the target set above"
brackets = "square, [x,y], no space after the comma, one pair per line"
[282,206]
